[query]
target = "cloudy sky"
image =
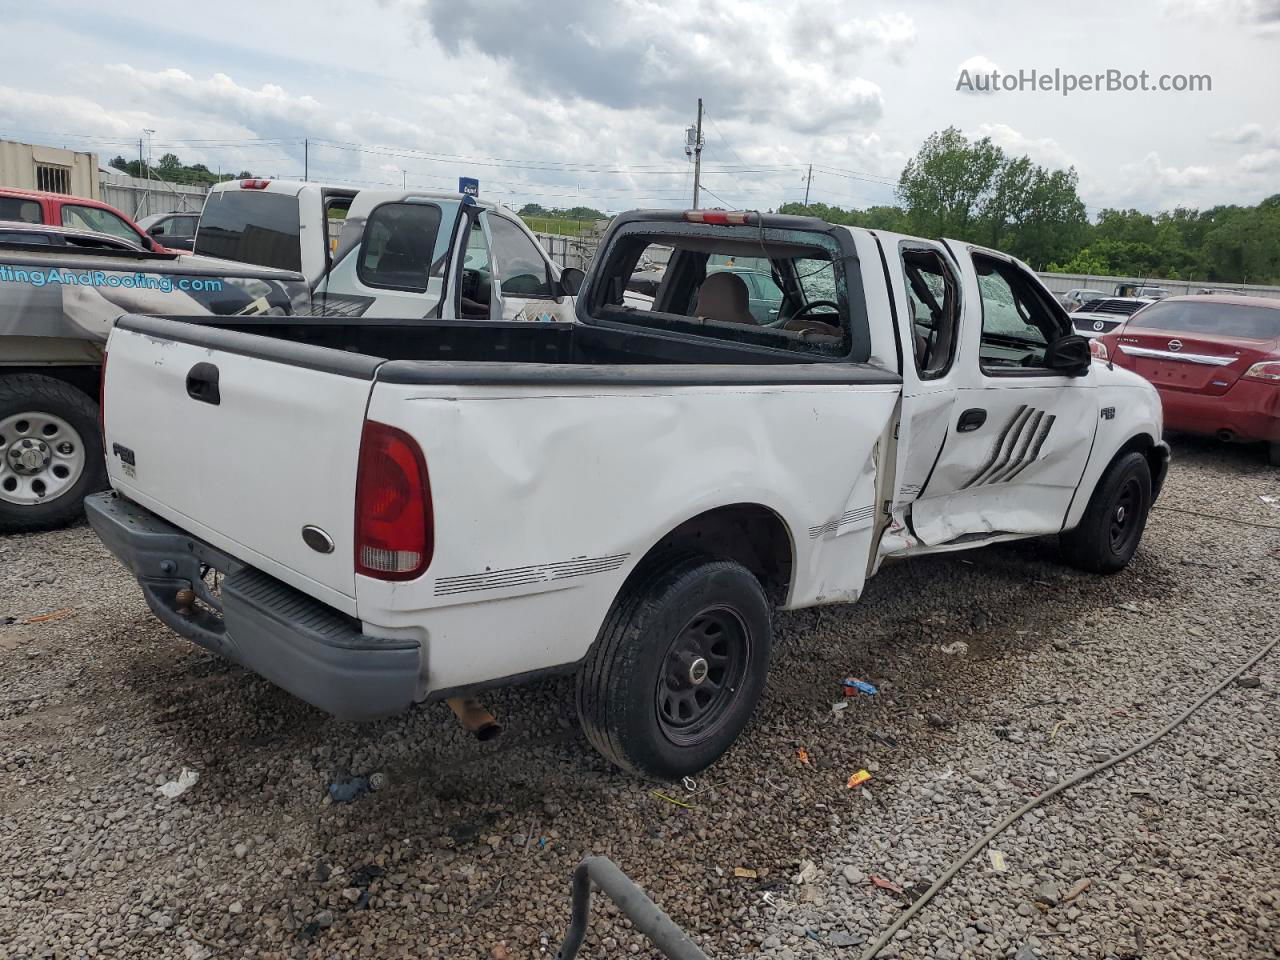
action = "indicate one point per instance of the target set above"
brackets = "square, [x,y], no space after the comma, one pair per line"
[581,100]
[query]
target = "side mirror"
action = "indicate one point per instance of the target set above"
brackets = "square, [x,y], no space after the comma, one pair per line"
[571,280]
[1069,355]
[157,230]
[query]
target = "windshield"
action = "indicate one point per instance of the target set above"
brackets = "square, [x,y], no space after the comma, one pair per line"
[1223,319]
[251,226]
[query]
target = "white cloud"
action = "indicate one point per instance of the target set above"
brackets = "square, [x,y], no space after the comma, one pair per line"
[1263,15]
[1043,150]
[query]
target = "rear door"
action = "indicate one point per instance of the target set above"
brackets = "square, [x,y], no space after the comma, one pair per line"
[1189,347]
[243,441]
[1018,435]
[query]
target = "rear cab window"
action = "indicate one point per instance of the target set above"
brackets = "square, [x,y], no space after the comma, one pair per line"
[775,287]
[251,226]
[20,209]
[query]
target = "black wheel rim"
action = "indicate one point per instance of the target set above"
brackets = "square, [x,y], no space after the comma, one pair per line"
[1125,522]
[701,675]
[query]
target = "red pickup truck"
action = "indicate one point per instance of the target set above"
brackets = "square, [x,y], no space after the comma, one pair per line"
[62,210]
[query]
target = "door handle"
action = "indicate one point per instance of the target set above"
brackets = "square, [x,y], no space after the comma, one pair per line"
[202,384]
[971,420]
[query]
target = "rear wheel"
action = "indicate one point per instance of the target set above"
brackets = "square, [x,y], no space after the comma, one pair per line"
[678,667]
[1109,533]
[1275,454]
[50,452]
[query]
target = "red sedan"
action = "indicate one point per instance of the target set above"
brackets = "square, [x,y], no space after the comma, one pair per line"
[82,213]
[1215,361]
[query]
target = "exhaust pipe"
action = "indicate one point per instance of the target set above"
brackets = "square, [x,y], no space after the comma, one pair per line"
[1226,436]
[475,718]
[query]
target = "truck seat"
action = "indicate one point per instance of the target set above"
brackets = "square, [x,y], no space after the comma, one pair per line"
[724,297]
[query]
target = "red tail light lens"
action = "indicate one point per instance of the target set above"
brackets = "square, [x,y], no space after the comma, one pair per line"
[254,184]
[719,217]
[395,529]
[1098,350]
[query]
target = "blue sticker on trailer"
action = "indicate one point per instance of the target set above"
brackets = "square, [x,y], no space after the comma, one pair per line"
[469,186]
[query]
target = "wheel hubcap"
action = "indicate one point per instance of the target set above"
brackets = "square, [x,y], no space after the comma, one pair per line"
[41,458]
[701,674]
[1124,526]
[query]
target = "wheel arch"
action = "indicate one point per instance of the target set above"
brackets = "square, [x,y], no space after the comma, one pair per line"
[751,534]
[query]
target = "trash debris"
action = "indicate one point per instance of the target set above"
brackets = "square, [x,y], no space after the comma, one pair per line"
[1249,683]
[1077,888]
[889,885]
[746,873]
[1129,607]
[803,754]
[187,779]
[858,779]
[1056,727]
[500,952]
[346,791]
[842,705]
[853,687]
[954,648]
[53,615]
[807,874]
[678,803]
[689,784]
[885,739]
[997,861]
[377,781]
[1270,501]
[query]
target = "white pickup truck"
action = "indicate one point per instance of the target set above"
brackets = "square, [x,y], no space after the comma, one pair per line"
[431,510]
[388,256]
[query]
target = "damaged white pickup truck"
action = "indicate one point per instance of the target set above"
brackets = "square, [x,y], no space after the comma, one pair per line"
[403,512]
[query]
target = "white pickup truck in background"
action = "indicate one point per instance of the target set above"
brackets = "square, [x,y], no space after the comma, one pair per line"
[391,256]
[405,511]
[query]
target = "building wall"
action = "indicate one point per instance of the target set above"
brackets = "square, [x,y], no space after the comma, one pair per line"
[20,164]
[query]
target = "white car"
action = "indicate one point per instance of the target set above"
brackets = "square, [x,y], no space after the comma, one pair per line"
[1076,296]
[1100,316]
[414,510]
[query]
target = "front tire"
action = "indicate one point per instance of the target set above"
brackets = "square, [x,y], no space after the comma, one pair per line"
[1109,533]
[1274,454]
[678,667]
[50,453]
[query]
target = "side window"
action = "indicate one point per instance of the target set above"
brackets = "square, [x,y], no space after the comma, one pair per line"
[94,218]
[933,299]
[521,270]
[398,245]
[476,286]
[181,227]
[1017,322]
[20,209]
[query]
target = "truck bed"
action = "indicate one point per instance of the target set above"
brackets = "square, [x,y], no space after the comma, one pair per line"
[471,351]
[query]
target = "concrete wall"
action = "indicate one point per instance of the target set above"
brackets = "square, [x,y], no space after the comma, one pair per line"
[140,198]
[1062,282]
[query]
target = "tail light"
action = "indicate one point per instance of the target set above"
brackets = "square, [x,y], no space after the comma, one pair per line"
[1267,370]
[1098,350]
[721,217]
[395,528]
[254,184]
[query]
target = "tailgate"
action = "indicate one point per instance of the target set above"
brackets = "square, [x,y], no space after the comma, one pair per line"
[1179,361]
[243,441]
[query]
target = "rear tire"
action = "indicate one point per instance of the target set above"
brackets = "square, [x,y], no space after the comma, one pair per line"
[58,425]
[1109,533]
[1274,454]
[678,667]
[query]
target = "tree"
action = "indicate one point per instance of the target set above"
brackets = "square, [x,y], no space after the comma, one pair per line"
[169,162]
[947,185]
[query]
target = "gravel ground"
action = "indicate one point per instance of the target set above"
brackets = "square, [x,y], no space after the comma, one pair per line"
[466,849]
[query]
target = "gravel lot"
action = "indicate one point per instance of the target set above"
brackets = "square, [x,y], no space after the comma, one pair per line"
[466,849]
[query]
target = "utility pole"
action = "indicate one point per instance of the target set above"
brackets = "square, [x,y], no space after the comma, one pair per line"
[146,196]
[306,159]
[808,182]
[137,207]
[697,157]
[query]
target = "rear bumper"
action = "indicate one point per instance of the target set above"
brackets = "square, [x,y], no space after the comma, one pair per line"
[298,643]
[1250,410]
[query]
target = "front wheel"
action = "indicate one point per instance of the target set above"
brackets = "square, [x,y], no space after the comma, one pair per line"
[50,452]
[1275,454]
[1109,533]
[678,667]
